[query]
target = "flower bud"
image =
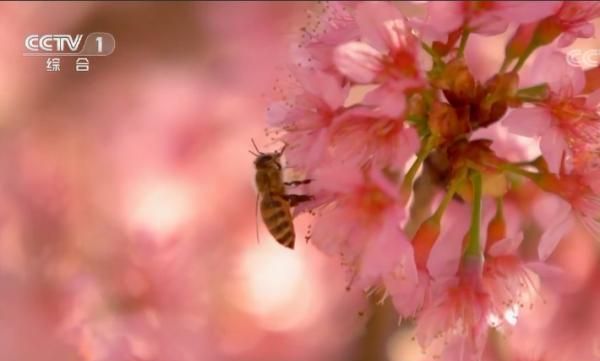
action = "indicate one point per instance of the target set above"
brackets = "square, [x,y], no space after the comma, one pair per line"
[496,230]
[445,123]
[424,240]
[457,82]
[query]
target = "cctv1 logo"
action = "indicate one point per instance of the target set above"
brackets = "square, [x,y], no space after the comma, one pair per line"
[95,44]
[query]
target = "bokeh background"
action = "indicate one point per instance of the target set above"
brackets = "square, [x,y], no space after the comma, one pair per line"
[127,220]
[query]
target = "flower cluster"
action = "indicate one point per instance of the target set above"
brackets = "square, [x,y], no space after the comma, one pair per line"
[388,100]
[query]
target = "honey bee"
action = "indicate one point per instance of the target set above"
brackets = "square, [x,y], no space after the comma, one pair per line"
[275,203]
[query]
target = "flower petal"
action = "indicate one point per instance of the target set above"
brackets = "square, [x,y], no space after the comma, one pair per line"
[551,67]
[528,121]
[552,277]
[277,114]
[524,12]
[389,100]
[506,246]
[445,16]
[382,25]
[552,236]
[553,146]
[446,252]
[323,86]
[358,61]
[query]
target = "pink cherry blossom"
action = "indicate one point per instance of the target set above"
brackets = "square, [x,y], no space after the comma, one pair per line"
[458,314]
[574,19]
[565,120]
[442,261]
[482,17]
[309,116]
[365,125]
[388,54]
[360,134]
[512,282]
[579,202]
[362,225]
[335,27]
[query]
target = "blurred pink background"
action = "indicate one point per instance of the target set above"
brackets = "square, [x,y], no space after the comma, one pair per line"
[127,221]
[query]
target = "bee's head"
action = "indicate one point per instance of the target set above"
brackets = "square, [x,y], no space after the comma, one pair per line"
[269,160]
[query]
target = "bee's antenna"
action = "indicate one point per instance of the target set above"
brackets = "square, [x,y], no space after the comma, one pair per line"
[255,147]
[254,154]
[282,150]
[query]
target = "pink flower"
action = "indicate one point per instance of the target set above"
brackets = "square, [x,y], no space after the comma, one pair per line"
[459,313]
[513,283]
[335,26]
[482,17]
[441,261]
[573,19]
[308,118]
[362,225]
[563,121]
[360,134]
[387,55]
[578,201]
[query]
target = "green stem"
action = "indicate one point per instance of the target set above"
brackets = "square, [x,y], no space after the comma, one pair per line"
[523,58]
[505,65]
[514,168]
[534,93]
[463,43]
[473,248]
[428,145]
[434,55]
[454,184]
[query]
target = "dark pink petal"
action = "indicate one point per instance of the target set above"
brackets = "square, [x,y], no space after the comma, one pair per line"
[528,122]
[358,61]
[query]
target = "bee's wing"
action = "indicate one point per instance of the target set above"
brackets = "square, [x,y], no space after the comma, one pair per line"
[256,216]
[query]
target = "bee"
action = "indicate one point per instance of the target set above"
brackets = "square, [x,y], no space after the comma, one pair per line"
[275,203]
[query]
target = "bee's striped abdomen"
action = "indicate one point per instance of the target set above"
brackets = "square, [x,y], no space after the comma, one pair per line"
[275,212]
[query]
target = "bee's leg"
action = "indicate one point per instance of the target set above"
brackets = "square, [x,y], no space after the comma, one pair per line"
[295,199]
[297,183]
